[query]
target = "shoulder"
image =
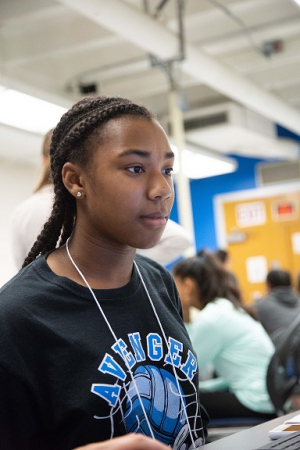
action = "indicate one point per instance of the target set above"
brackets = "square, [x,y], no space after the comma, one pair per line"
[219,310]
[153,271]
[20,313]
[158,277]
[24,285]
[264,303]
[210,314]
[223,305]
[152,266]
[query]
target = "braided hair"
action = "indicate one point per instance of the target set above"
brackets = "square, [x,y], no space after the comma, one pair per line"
[74,139]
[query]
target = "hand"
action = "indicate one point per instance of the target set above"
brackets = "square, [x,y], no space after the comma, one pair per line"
[127,442]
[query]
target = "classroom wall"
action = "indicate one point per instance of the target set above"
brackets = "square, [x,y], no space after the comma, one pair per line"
[20,158]
[17,182]
[203,191]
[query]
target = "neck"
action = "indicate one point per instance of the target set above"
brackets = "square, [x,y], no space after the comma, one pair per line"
[102,267]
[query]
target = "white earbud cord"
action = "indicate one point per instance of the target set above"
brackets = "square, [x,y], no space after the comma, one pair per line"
[167,344]
[112,332]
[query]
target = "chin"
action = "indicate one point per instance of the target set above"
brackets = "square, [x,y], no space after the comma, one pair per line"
[149,243]
[152,244]
[144,247]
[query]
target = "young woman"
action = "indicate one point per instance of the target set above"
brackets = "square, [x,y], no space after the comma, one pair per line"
[30,216]
[224,335]
[92,341]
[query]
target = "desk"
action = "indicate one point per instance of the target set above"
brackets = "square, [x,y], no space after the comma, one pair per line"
[249,439]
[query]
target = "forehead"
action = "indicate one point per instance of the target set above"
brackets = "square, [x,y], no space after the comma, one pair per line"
[133,130]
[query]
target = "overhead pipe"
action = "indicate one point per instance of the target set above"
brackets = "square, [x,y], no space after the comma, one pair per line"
[143,31]
[184,199]
[183,192]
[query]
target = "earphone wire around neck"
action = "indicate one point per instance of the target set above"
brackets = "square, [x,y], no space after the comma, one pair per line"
[116,340]
[112,332]
[167,344]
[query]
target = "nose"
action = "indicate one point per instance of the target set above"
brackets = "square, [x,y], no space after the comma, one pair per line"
[160,187]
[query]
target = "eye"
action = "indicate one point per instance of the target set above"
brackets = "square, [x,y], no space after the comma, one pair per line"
[168,171]
[135,169]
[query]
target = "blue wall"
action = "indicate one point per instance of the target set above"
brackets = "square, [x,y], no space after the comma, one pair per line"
[283,132]
[203,191]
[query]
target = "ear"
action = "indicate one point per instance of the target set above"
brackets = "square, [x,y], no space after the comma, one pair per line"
[185,290]
[192,292]
[189,285]
[71,176]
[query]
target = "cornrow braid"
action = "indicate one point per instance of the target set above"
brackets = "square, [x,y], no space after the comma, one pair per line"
[73,140]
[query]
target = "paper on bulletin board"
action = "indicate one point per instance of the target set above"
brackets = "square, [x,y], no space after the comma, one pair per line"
[296,243]
[257,269]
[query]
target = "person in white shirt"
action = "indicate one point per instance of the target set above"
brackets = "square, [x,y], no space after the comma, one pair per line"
[29,216]
[174,241]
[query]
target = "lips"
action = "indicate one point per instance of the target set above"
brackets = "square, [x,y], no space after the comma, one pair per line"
[155,219]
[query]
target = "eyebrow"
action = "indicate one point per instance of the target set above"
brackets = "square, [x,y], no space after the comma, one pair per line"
[143,153]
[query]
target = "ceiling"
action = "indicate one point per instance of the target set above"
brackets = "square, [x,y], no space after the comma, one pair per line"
[214,51]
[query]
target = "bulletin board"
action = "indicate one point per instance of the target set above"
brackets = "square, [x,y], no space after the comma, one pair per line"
[260,228]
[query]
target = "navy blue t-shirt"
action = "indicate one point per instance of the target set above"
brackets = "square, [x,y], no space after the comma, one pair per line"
[70,376]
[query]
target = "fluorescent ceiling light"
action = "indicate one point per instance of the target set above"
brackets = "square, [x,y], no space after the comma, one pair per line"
[201,163]
[38,116]
[298,2]
[28,113]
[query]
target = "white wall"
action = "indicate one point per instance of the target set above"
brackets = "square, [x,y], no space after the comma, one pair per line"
[20,158]
[19,174]
[17,182]
[19,145]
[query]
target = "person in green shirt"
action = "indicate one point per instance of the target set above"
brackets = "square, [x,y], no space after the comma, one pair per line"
[225,335]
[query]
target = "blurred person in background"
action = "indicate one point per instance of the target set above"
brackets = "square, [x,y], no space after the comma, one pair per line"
[173,243]
[279,308]
[223,256]
[298,283]
[225,335]
[29,216]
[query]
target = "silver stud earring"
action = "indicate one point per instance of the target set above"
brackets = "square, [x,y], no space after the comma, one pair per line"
[79,194]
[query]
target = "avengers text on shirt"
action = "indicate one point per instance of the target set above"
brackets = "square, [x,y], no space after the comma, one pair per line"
[152,388]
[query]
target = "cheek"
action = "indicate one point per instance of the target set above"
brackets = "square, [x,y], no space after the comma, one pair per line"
[194,297]
[125,198]
[121,203]
[180,287]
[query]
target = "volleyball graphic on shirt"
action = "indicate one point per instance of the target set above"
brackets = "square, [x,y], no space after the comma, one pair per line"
[162,409]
